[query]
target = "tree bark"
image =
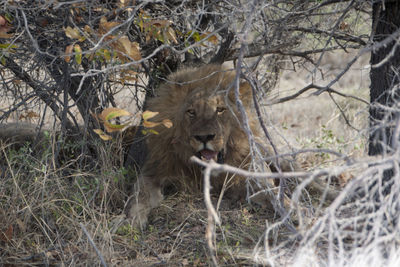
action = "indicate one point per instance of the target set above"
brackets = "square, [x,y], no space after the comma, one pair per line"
[385,78]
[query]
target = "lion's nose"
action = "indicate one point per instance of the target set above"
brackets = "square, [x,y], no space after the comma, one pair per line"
[204,138]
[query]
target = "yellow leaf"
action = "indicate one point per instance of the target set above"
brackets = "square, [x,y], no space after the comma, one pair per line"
[105,137]
[125,44]
[150,124]
[135,51]
[212,38]
[106,26]
[153,131]
[167,123]
[126,5]
[88,29]
[102,135]
[68,51]
[73,33]
[148,114]
[159,23]
[171,35]
[107,55]
[110,127]
[128,75]
[98,131]
[145,132]
[128,48]
[112,113]
[78,54]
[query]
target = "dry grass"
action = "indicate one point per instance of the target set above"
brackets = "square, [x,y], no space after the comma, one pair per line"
[44,212]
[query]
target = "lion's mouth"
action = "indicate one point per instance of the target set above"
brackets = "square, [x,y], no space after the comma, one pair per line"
[207,154]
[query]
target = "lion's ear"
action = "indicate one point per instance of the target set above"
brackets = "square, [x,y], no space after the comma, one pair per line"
[246,93]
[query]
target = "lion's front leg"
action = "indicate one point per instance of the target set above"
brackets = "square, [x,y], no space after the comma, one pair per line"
[146,196]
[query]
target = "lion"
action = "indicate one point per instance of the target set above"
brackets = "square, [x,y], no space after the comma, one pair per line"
[201,104]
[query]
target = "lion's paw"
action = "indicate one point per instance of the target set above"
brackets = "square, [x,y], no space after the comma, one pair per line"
[137,215]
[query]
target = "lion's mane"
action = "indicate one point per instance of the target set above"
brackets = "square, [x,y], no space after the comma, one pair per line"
[169,155]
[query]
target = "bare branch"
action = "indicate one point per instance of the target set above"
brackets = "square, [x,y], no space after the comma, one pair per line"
[93,245]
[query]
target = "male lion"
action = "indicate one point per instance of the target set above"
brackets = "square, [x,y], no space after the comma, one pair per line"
[206,123]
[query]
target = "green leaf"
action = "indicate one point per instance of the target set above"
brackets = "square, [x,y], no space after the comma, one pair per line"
[8,17]
[78,54]
[147,131]
[7,46]
[107,55]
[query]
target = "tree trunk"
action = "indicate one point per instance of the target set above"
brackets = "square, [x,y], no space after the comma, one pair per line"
[385,78]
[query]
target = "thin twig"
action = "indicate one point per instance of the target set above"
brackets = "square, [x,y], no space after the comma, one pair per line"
[93,245]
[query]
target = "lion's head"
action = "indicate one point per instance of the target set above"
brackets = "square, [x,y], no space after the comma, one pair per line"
[201,104]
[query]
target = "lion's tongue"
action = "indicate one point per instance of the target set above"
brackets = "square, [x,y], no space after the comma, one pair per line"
[208,154]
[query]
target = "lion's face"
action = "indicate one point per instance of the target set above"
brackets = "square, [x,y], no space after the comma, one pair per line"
[207,121]
[201,104]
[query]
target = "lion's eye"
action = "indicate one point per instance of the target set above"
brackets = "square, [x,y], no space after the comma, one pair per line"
[191,112]
[220,110]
